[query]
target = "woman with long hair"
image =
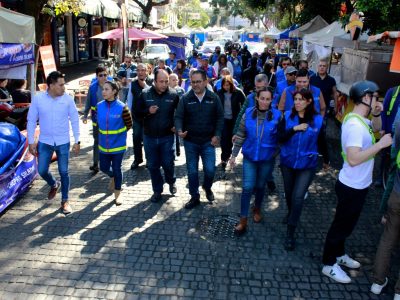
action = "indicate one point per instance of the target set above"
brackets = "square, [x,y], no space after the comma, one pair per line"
[114,120]
[258,138]
[221,63]
[181,70]
[232,99]
[298,133]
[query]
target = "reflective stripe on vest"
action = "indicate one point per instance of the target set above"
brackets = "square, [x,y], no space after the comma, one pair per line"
[398,160]
[392,101]
[357,117]
[111,150]
[112,131]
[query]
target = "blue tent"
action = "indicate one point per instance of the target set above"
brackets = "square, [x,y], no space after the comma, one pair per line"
[250,37]
[177,44]
[284,35]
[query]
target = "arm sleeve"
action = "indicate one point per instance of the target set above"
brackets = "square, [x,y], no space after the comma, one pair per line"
[126,115]
[87,105]
[129,100]
[179,115]
[220,118]
[140,110]
[386,104]
[352,136]
[283,134]
[33,116]
[74,119]
[282,101]
[241,136]
[239,117]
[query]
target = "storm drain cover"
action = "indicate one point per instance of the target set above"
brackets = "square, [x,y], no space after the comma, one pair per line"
[217,227]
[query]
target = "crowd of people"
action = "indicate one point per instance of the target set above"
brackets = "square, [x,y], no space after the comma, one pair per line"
[261,105]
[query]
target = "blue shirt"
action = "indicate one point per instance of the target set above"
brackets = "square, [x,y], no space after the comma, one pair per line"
[387,120]
[54,116]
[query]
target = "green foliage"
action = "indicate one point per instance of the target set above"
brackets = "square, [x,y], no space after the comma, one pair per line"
[185,8]
[59,7]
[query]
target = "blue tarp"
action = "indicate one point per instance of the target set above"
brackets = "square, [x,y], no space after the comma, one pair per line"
[250,37]
[176,44]
[285,34]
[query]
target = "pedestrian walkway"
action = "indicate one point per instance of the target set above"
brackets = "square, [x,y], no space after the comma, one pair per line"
[145,250]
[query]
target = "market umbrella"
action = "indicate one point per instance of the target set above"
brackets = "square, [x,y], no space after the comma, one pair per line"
[134,33]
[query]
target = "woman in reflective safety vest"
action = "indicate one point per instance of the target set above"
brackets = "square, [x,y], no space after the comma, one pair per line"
[298,133]
[114,120]
[257,136]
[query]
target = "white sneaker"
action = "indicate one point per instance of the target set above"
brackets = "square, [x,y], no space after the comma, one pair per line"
[336,273]
[347,261]
[396,297]
[377,288]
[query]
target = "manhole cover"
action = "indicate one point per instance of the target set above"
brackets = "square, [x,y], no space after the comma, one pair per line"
[217,227]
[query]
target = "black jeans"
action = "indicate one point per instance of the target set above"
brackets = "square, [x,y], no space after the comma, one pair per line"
[322,145]
[137,140]
[348,210]
[226,139]
[296,183]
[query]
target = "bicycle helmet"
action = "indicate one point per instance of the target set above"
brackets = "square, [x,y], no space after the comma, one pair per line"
[360,88]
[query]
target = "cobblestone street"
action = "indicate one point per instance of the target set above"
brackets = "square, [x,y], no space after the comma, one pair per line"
[142,250]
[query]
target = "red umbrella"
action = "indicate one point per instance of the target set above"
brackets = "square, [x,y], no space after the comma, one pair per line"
[134,33]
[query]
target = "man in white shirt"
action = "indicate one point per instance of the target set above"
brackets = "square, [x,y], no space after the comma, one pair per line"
[54,110]
[358,151]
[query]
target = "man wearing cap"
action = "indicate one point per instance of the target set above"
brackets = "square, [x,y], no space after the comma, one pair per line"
[214,57]
[280,74]
[210,71]
[290,74]
[163,66]
[171,61]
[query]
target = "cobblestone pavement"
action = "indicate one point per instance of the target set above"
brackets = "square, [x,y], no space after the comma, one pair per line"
[142,250]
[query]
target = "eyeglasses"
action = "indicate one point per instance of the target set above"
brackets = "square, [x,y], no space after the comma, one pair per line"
[102,75]
[197,82]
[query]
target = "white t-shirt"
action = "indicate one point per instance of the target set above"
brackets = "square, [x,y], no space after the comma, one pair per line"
[355,134]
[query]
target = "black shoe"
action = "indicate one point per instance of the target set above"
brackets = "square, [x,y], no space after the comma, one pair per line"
[209,195]
[271,186]
[289,243]
[136,164]
[156,198]
[94,169]
[172,188]
[193,202]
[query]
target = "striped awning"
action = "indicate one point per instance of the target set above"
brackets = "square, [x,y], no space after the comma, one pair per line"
[92,7]
[111,9]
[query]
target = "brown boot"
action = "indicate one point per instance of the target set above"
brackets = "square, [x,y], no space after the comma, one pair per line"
[241,227]
[116,195]
[257,217]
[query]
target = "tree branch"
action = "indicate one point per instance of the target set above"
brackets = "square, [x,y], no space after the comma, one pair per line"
[164,2]
[140,4]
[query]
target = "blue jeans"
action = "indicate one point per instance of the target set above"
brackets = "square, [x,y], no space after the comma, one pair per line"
[207,153]
[255,176]
[296,183]
[160,152]
[137,140]
[44,159]
[113,161]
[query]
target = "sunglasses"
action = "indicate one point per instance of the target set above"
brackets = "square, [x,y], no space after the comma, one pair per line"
[102,75]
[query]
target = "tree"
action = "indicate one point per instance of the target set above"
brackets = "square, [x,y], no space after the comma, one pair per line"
[185,10]
[147,7]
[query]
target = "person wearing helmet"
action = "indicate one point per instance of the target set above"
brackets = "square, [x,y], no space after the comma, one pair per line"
[358,151]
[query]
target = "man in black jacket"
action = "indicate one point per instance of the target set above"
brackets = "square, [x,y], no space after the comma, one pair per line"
[156,106]
[141,82]
[199,120]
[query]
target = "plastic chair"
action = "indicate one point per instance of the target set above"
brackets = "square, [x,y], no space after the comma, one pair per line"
[82,91]
[42,87]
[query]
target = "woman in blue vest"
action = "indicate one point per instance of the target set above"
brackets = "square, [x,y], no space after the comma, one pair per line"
[298,133]
[114,120]
[257,136]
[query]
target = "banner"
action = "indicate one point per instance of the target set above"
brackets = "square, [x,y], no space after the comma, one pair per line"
[48,62]
[15,182]
[14,55]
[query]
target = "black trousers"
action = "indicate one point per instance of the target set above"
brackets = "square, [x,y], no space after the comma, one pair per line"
[226,139]
[348,210]
[322,144]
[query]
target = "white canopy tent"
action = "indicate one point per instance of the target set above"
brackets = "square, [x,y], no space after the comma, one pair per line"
[17,28]
[312,26]
[273,33]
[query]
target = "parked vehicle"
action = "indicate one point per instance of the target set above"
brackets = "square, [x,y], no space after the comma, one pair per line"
[153,52]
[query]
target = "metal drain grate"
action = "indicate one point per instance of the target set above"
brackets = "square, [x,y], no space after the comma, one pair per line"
[217,227]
